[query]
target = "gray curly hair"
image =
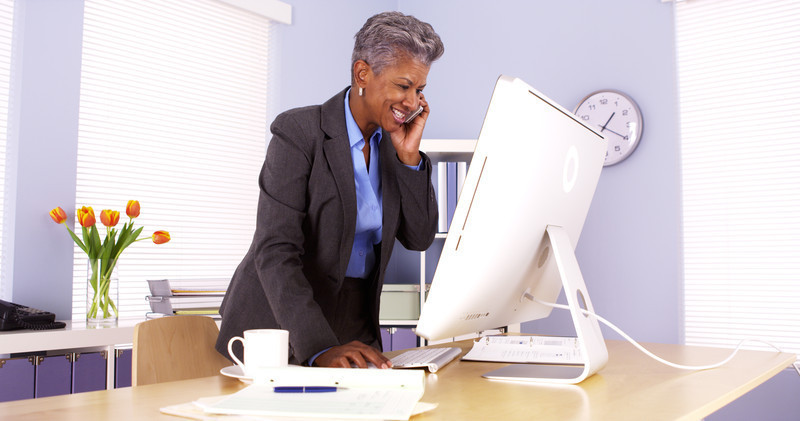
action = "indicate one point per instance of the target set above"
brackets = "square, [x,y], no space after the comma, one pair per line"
[387,36]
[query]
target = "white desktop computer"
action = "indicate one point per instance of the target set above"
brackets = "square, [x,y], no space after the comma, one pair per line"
[511,242]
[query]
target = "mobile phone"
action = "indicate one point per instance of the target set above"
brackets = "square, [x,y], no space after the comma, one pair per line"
[413,115]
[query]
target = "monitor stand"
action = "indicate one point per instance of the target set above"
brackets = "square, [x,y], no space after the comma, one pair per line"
[590,338]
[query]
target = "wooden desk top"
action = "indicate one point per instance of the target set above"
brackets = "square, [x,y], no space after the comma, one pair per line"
[630,387]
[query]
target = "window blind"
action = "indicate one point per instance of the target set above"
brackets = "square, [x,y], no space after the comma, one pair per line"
[739,83]
[173,107]
[6,32]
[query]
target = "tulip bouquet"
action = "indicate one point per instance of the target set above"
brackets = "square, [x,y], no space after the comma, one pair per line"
[103,254]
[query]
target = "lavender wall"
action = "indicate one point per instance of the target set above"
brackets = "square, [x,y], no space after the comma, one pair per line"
[43,135]
[314,51]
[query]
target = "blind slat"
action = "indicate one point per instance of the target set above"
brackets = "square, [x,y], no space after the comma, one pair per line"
[173,114]
[738,72]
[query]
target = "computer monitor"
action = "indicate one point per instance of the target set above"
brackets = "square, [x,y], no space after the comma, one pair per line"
[515,226]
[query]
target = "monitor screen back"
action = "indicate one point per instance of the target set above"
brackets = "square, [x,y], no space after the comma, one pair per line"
[535,164]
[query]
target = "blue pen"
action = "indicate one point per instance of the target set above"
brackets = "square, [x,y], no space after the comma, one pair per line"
[304,389]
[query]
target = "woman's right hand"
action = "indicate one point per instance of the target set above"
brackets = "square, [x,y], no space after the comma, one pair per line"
[352,354]
[408,137]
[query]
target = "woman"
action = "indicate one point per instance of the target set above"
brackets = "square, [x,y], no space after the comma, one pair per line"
[340,182]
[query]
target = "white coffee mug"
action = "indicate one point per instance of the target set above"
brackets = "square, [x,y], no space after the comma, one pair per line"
[263,348]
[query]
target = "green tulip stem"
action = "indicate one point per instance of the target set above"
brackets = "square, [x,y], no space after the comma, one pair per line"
[100,281]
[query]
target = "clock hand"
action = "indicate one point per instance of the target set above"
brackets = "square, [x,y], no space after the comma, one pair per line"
[603,127]
[622,136]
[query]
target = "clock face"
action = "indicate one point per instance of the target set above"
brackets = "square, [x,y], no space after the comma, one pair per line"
[617,117]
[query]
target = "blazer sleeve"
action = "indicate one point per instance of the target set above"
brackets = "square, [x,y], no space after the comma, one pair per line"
[419,213]
[279,239]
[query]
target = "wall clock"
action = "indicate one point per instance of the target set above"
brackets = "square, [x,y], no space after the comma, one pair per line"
[617,117]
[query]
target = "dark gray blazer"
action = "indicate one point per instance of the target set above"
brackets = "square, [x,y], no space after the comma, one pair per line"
[305,227]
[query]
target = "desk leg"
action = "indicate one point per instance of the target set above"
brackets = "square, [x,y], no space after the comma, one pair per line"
[110,366]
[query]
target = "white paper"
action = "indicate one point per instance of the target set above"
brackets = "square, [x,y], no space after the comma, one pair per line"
[196,411]
[361,394]
[359,403]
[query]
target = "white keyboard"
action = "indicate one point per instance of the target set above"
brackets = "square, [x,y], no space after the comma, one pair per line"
[431,358]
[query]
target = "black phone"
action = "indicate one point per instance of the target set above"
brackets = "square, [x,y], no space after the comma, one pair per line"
[16,316]
[413,115]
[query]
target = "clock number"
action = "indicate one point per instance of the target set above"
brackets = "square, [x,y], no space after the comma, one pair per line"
[585,117]
[604,101]
[624,112]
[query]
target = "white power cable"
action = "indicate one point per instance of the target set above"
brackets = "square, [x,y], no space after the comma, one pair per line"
[654,356]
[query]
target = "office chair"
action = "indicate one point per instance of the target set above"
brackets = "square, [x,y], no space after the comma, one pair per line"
[175,348]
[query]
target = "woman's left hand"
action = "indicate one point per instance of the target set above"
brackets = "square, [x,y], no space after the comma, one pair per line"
[407,138]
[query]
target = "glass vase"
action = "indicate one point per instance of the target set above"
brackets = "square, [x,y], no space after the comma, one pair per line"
[102,292]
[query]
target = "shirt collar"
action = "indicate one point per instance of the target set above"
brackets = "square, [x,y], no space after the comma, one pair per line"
[353,131]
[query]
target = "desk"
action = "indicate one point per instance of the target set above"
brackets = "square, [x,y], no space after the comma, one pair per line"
[630,387]
[76,335]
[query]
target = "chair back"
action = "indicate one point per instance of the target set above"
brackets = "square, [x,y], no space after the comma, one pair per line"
[175,348]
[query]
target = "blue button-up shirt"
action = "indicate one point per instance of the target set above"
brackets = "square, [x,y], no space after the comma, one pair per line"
[369,197]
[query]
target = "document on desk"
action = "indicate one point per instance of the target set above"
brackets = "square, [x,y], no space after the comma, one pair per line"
[360,394]
[526,349]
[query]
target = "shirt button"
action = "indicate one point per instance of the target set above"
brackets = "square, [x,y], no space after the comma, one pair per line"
[360,253]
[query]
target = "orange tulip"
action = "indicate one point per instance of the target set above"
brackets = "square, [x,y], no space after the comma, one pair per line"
[86,216]
[133,208]
[160,237]
[58,215]
[109,217]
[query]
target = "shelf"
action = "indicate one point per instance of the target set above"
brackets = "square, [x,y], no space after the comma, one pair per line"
[412,323]
[448,150]
[76,335]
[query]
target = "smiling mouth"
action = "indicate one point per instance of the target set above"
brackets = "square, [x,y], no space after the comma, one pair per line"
[399,115]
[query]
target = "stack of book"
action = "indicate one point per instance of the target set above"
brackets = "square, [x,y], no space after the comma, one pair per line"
[176,297]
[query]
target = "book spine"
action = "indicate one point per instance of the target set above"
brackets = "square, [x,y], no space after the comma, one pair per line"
[461,174]
[441,195]
[452,191]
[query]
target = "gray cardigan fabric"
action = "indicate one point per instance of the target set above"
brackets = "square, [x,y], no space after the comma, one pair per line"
[305,227]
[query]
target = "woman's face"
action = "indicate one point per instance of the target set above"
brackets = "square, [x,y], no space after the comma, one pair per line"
[393,95]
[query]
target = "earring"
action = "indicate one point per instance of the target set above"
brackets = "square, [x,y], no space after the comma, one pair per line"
[360,91]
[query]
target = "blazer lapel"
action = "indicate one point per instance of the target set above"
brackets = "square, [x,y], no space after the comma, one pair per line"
[337,153]
[391,195]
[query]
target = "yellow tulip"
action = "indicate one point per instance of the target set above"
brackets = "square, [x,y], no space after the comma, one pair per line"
[109,217]
[86,216]
[133,208]
[160,237]
[58,215]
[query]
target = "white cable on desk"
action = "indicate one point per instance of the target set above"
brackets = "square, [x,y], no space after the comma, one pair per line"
[654,356]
